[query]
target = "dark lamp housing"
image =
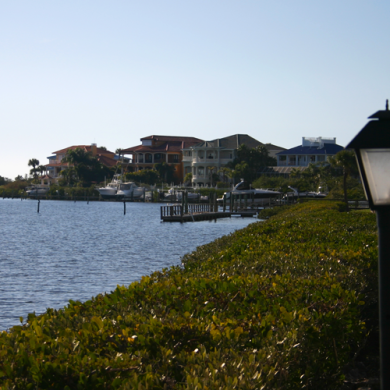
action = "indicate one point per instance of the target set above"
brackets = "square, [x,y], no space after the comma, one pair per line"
[372,149]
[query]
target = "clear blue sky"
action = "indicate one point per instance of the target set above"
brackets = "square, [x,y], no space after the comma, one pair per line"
[111,72]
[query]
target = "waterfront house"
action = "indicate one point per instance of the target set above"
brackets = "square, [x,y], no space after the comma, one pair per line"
[313,150]
[208,157]
[55,165]
[156,149]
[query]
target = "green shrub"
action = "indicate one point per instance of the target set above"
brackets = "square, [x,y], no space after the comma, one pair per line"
[282,304]
[271,211]
[221,184]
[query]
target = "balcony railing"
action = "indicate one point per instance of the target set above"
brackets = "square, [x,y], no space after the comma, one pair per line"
[54,162]
[210,160]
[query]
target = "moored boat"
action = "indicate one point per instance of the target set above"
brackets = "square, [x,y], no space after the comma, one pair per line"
[295,194]
[110,190]
[258,196]
[130,190]
[37,190]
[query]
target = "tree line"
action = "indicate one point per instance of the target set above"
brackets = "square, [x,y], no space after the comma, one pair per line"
[339,175]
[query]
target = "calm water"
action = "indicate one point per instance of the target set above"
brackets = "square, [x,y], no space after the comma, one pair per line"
[78,250]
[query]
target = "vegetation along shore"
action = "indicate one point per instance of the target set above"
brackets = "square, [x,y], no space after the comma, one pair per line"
[286,303]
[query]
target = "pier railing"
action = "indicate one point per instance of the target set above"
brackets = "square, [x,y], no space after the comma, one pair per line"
[179,210]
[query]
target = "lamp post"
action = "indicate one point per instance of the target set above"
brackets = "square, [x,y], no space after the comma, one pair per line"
[372,149]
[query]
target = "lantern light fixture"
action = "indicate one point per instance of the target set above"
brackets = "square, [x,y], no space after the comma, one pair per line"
[372,149]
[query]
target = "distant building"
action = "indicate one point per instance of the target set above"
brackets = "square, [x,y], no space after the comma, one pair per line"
[55,165]
[312,150]
[273,150]
[207,158]
[160,148]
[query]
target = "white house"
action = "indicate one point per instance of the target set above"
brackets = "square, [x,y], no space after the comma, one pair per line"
[312,150]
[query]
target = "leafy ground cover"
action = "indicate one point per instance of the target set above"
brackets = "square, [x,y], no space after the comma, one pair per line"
[289,303]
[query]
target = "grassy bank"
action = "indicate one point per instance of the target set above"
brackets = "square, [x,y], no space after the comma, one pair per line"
[288,303]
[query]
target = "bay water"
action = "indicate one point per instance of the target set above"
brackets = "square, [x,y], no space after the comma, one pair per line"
[76,250]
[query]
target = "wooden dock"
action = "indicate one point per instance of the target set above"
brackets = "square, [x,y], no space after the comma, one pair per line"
[198,212]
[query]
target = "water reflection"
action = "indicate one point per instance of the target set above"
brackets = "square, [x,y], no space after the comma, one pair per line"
[78,250]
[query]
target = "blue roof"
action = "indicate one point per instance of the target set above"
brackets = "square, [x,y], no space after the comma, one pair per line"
[327,149]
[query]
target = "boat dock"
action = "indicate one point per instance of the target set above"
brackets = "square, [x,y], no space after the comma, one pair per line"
[198,212]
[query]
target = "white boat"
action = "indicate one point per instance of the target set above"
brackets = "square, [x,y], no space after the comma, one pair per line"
[295,194]
[130,190]
[110,190]
[191,196]
[176,195]
[258,196]
[171,195]
[37,190]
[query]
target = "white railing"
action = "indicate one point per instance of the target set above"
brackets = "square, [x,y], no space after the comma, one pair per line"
[210,160]
[54,162]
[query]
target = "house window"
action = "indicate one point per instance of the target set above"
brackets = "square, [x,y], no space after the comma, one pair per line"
[159,157]
[173,158]
[140,158]
[201,171]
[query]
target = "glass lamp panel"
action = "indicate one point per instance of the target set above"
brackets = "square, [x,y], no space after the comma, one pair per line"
[377,168]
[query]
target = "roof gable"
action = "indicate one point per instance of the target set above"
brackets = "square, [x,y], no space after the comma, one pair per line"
[326,149]
[170,144]
[171,138]
[231,142]
[87,148]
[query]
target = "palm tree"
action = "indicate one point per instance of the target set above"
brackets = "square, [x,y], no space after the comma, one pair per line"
[82,161]
[33,162]
[68,175]
[42,169]
[211,169]
[227,174]
[346,160]
[187,178]
[165,171]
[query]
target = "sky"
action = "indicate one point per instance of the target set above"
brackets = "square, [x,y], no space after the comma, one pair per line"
[112,72]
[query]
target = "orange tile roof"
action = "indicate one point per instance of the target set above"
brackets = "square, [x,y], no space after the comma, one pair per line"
[107,161]
[87,148]
[172,144]
[171,138]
